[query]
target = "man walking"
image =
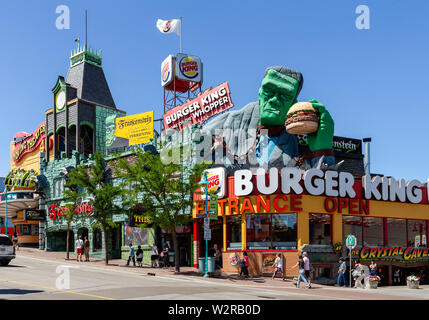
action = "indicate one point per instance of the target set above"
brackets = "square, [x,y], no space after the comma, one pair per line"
[131,255]
[307,268]
[342,273]
[79,248]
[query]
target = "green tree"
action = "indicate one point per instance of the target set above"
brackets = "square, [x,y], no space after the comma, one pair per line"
[164,190]
[98,185]
[71,201]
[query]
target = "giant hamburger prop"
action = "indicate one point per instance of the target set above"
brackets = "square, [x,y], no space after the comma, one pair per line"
[302,118]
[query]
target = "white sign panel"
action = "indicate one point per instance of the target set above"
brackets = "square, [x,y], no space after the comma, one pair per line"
[351,242]
[207,234]
[217,181]
[167,71]
[189,68]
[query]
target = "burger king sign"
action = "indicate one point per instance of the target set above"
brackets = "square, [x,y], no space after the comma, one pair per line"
[216,179]
[189,68]
[167,71]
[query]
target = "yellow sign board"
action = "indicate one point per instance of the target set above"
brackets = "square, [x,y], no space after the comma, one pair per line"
[137,128]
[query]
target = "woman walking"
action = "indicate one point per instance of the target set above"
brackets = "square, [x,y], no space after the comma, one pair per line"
[278,266]
[244,263]
[300,265]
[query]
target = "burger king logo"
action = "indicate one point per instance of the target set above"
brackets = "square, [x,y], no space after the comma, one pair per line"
[167,26]
[165,73]
[233,259]
[214,182]
[189,67]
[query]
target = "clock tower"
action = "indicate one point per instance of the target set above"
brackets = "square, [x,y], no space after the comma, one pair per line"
[81,102]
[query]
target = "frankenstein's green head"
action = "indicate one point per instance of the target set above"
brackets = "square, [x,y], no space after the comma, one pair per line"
[279,90]
[110,130]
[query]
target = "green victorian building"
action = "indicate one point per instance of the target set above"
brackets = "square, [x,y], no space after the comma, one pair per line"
[76,125]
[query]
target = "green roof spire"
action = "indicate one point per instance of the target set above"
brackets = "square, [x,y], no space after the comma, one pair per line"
[84,54]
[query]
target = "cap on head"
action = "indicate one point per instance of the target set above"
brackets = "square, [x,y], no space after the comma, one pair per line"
[304,253]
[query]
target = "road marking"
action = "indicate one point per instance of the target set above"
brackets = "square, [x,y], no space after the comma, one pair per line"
[55,289]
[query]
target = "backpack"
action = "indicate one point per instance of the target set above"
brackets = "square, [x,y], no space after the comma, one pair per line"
[242,263]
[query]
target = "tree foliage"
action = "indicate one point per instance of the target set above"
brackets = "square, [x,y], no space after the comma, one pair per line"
[163,190]
[95,179]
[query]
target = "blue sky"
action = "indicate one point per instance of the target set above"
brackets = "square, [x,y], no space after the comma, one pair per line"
[373,82]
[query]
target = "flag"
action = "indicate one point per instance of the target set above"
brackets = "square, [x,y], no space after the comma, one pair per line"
[168,26]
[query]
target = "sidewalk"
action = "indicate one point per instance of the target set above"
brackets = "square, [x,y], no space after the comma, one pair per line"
[317,290]
[147,270]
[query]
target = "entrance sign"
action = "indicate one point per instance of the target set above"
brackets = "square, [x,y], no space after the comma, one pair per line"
[206,105]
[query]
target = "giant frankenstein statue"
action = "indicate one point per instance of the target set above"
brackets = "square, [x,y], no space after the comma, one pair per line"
[255,136]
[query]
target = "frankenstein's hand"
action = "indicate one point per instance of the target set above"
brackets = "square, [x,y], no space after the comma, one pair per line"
[322,138]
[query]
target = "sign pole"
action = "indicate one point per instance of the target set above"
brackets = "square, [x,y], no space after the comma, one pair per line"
[206,274]
[350,269]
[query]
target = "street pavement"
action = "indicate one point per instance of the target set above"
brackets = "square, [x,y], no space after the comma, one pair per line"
[36,274]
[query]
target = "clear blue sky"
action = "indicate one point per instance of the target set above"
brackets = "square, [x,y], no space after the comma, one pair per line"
[373,82]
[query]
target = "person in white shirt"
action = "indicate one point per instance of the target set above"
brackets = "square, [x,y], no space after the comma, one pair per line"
[307,268]
[79,248]
[278,266]
[155,256]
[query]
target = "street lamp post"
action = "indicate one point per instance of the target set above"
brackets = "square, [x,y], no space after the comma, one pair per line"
[205,182]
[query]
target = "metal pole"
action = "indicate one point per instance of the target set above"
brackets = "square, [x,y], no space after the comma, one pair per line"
[181,35]
[206,274]
[5,219]
[350,269]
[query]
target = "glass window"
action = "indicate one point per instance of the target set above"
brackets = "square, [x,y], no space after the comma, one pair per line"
[352,225]
[373,231]
[284,231]
[396,232]
[271,231]
[320,228]
[58,187]
[233,232]
[417,233]
[258,231]
[97,240]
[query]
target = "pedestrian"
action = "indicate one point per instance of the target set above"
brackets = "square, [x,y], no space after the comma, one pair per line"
[15,241]
[373,268]
[154,257]
[342,273]
[86,248]
[139,254]
[301,276]
[308,268]
[278,266]
[164,256]
[79,248]
[131,255]
[217,256]
[397,276]
[244,263]
[358,274]
[356,271]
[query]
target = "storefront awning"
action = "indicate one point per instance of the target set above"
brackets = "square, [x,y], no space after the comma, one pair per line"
[18,200]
